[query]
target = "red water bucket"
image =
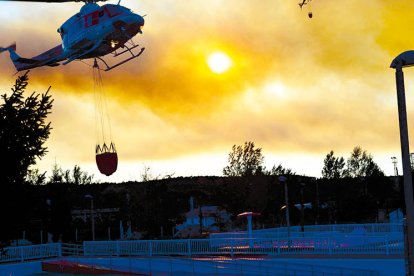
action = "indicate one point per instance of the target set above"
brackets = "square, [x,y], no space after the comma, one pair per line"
[106,159]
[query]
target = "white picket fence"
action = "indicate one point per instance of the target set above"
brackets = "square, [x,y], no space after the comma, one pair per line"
[355,245]
[379,229]
[356,239]
[30,252]
[338,239]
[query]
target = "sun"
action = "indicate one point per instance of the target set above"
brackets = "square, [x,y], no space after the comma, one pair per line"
[219,62]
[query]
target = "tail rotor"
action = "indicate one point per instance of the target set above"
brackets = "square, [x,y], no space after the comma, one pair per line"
[11,47]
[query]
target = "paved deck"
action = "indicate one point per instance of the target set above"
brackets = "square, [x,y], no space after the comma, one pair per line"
[216,266]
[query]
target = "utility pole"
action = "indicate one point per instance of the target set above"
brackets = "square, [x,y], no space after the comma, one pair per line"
[283,179]
[92,216]
[302,208]
[403,60]
[394,162]
[396,180]
[317,203]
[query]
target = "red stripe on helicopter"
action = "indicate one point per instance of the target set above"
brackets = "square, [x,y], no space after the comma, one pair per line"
[92,18]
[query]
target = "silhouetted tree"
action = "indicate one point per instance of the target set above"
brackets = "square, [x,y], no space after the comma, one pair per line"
[80,177]
[279,170]
[34,177]
[76,176]
[23,131]
[361,164]
[334,167]
[244,160]
[57,174]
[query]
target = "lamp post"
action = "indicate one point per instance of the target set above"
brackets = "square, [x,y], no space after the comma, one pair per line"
[302,208]
[92,216]
[404,60]
[283,179]
[317,203]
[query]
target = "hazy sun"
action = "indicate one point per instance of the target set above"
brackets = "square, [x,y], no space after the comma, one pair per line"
[219,62]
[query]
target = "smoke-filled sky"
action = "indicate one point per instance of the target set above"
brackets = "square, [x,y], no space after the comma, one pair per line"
[296,87]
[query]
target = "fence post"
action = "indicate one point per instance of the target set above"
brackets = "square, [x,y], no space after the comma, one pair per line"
[278,246]
[232,248]
[60,249]
[387,247]
[188,247]
[329,246]
[117,249]
[150,248]
[21,253]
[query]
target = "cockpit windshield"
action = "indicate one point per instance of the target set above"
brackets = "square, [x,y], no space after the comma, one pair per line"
[61,31]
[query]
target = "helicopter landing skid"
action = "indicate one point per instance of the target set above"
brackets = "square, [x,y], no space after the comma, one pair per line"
[129,49]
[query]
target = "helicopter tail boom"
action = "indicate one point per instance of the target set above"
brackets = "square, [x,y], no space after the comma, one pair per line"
[50,58]
[18,62]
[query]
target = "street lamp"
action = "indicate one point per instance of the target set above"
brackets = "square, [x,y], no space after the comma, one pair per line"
[317,202]
[302,209]
[283,179]
[405,59]
[92,216]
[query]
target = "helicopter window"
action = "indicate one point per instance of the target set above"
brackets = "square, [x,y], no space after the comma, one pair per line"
[61,32]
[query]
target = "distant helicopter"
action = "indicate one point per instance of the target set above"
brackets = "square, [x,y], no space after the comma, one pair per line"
[305,2]
[93,32]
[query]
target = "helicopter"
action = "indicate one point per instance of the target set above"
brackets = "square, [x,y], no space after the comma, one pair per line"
[94,32]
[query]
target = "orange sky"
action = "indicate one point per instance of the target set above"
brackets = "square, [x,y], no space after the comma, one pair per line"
[297,87]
